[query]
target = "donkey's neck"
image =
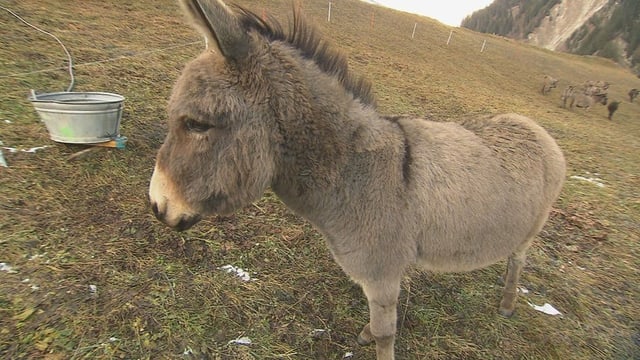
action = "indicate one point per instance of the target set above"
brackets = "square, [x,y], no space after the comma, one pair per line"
[314,144]
[330,151]
[325,131]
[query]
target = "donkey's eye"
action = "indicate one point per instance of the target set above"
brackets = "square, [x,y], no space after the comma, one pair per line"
[196,126]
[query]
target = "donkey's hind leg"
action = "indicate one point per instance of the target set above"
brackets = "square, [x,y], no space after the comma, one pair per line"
[383,299]
[515,263]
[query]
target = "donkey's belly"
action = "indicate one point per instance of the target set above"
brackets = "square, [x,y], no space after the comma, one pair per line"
[477,231]
[465,258]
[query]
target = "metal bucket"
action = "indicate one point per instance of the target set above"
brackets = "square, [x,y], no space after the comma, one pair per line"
[80,117]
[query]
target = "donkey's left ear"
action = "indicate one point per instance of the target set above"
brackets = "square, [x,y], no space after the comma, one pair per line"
[220,26]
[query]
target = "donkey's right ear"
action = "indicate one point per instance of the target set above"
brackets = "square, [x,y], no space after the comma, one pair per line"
[220,26]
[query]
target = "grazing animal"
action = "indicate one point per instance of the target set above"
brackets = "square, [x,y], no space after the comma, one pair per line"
[613,106]
[548,83]
[267,108]
[579,99]
[586,101]
[633,93]
[591,87]
[567,94]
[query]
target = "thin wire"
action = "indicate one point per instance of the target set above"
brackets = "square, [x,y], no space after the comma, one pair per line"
[70,60]
[103,61]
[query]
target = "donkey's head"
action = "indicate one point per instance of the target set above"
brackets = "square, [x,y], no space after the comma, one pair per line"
[218,154]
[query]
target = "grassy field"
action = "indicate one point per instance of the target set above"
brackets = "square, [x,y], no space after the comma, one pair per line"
[88,273]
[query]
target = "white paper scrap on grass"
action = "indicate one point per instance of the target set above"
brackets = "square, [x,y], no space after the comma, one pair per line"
[348,355]
[30,150]
[6,267]
[3,162]
[240,341]
[239,272]
[597,182]
[546,308]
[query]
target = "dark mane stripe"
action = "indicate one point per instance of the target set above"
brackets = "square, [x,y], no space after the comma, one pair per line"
[308,41]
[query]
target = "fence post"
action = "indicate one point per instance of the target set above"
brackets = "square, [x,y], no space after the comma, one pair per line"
[483,45]
[449,39]
[414,30]
[329,13]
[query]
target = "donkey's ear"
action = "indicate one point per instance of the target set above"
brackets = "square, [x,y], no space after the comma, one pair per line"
[219,25]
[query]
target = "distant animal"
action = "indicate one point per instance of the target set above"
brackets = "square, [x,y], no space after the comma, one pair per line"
[591,87]
[633,93]
[612,107]
[548,83]
[567,93]
[586,101]
[572,96]
[264,108]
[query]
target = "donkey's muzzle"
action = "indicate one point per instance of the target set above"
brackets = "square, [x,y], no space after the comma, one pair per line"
[185,222]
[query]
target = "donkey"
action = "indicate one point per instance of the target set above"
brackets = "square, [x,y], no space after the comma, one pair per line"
[586,101]
[591,87]
[267,108]
[548,83]
[567,94]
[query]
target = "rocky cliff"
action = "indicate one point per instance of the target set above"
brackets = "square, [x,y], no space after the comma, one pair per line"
[608,28]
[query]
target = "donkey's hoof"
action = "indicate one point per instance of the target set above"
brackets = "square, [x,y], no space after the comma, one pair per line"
[362,341]
[365,337]
[506,312]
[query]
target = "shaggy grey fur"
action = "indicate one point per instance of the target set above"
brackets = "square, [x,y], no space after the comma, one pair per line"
[261,109]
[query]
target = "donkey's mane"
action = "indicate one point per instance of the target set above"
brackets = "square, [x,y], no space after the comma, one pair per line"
[306,38]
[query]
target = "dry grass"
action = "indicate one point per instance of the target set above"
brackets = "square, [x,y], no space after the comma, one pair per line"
[68,225]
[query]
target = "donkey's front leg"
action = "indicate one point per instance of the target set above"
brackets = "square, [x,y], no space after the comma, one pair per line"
[383,298]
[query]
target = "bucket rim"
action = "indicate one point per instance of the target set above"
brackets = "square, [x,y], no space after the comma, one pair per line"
[50,97]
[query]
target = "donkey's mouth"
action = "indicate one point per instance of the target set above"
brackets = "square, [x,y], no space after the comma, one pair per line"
[186,222]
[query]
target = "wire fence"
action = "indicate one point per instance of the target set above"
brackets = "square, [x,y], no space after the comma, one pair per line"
[70,66]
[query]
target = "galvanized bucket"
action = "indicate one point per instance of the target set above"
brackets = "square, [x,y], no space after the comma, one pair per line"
[80,117]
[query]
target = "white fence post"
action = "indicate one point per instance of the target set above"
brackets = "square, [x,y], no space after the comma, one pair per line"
[483,45]
[329,13]
[449,39]
[414,30]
